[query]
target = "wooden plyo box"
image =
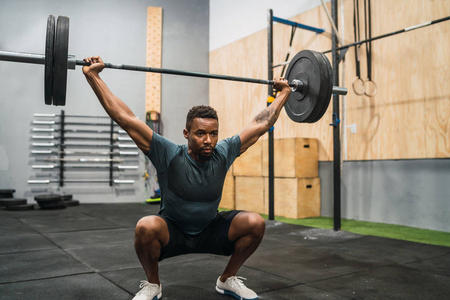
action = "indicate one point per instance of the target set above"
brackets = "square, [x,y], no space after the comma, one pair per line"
[250,194]
[228,198]
[295,198]
[293,157]
[250,162]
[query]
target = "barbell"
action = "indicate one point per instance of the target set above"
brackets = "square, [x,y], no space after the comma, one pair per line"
[309,74]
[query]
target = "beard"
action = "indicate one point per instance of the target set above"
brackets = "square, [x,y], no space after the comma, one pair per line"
[201,155]
[204,157]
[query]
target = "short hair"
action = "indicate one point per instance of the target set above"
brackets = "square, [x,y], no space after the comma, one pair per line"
[200,111]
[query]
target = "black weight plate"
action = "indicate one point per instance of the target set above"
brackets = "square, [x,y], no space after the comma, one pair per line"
[22,207]
[12,201]
[52,205]
[7,194]
[66,197]
[321,101]
[48,72]
[47,198]
[325,102]
[61,51]
[305,107]
[72,202]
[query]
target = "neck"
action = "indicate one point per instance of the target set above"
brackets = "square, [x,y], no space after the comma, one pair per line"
[197,157]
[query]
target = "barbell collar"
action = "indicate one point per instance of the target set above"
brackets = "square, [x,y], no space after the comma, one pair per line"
[337,90]
[71,62]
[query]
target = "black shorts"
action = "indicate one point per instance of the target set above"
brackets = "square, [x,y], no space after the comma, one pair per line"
[214,239]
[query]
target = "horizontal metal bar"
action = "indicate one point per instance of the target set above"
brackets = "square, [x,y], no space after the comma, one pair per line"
[281,64]
[68,137]
[85,159]
[299,25]
[178,72]
[84,167]
[123,181]
[84,145]
[30,58]
[391,34]
[148,69]
[37,129]
[39,59]
[339,90]
[125,153]
[47,181]
[39,115]
[34,58]
[37,122]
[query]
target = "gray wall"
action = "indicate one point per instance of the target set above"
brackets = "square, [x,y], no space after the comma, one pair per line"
[406,192]
[115,30]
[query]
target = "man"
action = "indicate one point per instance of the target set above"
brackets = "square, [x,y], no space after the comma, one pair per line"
[191,180]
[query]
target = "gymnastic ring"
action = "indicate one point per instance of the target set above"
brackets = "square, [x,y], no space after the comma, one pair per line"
[354,85]
[374,88]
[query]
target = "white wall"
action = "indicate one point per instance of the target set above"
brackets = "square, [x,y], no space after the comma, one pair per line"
[115,30]
[231,20]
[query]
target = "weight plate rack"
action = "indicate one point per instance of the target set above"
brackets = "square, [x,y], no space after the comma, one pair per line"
[81,149]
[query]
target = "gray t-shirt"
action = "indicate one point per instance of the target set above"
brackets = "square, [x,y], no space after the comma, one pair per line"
[191,190]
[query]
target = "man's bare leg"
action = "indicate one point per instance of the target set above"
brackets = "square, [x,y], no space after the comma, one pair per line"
[151,234]
[247,230]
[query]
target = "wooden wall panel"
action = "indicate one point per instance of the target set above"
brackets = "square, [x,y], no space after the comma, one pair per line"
[409,116]
[409,69]
[237,102]
[154,46]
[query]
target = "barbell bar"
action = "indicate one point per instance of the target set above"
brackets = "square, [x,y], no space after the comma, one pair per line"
[84,160]
[53,137]
[39,129]
[40,115]
[31,58]
[119,167]
[121,146]
[40,122]
[47,181]
[115,153]
[309,74]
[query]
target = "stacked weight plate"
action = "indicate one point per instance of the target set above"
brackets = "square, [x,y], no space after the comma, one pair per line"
[55,201]
[69,201]
[8,202]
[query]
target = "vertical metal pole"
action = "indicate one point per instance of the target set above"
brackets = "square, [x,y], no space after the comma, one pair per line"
[111,149]
[336,133]
[270,77]
[61,150]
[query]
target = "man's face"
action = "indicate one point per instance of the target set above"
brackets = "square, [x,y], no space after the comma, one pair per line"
[202,138]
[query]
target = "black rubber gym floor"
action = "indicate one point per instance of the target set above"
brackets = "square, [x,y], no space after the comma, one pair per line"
[87,252]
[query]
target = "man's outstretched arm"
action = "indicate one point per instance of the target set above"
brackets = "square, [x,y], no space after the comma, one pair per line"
[267,117]
[116,108]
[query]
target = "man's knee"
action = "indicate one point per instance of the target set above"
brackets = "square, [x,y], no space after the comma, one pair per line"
[150,228]
[247,223]
[256,224]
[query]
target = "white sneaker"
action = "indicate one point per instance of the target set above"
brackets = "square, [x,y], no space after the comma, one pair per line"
[234,286]
[149,291]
